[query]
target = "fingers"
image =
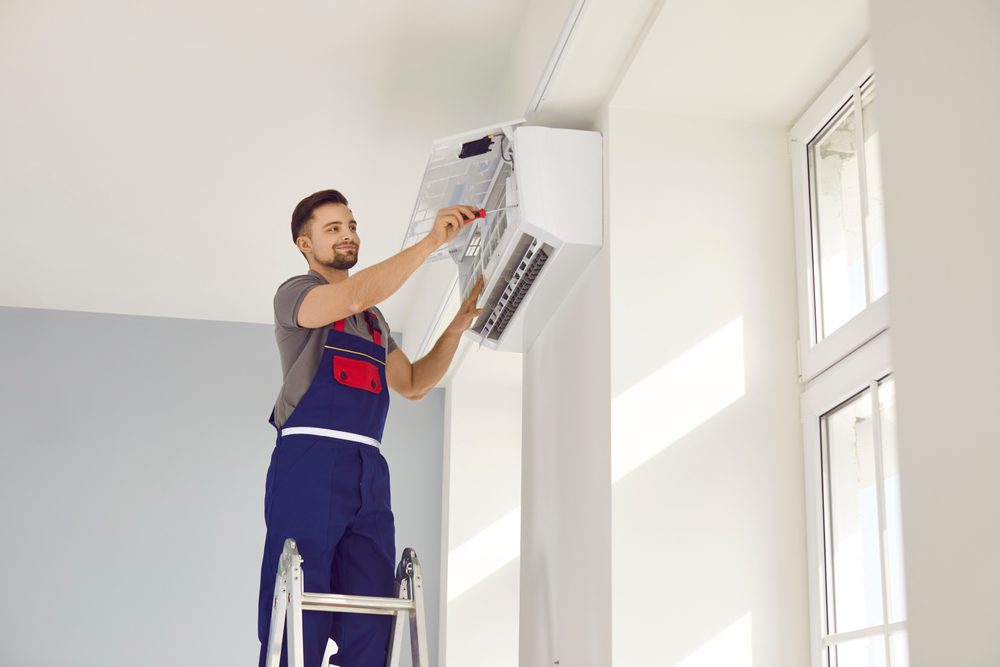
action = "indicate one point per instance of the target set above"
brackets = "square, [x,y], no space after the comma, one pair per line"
[477,289]
[467,211]
[451,222]
[452,219]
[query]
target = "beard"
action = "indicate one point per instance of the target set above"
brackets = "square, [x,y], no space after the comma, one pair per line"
[341,261]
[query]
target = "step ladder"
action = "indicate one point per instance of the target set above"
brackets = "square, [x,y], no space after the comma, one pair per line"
[290,600]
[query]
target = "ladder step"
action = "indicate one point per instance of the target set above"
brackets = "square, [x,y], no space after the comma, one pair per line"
[356,604]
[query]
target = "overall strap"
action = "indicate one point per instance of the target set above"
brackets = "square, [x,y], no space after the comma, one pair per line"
[370,320]
[373,327]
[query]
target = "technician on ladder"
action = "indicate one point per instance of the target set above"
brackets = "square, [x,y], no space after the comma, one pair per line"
[327,485]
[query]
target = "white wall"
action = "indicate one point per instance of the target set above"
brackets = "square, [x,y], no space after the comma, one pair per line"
[708,521]
[131,490]
[938,110]
[483,459]
[565,532]
[170,139]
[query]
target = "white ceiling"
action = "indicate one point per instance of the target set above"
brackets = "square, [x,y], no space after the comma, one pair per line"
[761,61]
[151,152]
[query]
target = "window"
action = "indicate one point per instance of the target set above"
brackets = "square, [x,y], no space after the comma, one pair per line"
[854,521]
[839,220]
[855,526]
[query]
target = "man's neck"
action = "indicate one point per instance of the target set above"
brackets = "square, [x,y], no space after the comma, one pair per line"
[331,275]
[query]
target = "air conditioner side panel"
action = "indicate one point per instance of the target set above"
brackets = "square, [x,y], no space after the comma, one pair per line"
[560,182]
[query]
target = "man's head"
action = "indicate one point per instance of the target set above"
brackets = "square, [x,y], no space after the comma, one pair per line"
[324,230]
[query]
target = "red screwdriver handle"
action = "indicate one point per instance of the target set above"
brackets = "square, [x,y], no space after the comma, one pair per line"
[481,213]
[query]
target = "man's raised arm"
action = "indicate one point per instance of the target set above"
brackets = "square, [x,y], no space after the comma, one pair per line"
[328,303]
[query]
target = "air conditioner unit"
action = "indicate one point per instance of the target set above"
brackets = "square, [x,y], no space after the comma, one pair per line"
[543,190]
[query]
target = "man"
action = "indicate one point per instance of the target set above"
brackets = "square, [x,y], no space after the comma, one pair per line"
[328,485]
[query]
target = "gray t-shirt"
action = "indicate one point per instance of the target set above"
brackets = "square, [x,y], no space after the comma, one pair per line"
[301,348]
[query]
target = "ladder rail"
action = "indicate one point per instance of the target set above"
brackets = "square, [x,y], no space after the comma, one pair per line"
[418,628]
[278,610]
[290,600]
[294,613]
[398,621]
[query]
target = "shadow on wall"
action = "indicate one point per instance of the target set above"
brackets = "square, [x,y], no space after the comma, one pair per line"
[677,398]
[702,485]
[657,411]
[488,551]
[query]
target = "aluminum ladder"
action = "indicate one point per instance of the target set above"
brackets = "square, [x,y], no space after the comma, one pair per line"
[290,600]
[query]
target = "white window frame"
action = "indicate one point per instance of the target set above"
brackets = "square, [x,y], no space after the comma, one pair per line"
[860,371]
[870,322]
[853,358]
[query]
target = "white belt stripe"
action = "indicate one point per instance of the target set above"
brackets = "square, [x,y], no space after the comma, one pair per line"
[330,433]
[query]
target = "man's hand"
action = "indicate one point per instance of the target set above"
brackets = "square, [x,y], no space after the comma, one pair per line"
[468,312]
[449,222]
[414,380]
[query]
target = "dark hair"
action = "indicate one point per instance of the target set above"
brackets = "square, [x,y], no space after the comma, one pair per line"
[304,209]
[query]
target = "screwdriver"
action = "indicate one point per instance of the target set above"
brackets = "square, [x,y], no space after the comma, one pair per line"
[482,213]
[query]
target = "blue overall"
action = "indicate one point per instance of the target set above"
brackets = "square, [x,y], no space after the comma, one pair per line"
[328,488]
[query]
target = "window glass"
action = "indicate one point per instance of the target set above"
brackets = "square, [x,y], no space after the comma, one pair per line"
[854,567]
[873,179]
[893,512]
[899,650]
[867,652]
[835,186]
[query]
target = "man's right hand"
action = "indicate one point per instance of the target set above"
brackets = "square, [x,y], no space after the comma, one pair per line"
[449,222]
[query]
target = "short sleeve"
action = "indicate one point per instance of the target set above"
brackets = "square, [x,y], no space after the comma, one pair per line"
[289,297]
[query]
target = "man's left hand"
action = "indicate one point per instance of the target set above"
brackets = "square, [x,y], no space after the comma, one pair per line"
[467,314]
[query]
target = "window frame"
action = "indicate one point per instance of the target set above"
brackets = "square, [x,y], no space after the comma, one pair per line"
[854,358]
[815,358]
[850,377]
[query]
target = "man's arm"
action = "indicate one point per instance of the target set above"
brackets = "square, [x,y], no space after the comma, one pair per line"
[324,304]
[413,381]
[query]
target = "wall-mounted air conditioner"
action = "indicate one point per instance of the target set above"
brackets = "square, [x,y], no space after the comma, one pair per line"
[543,190]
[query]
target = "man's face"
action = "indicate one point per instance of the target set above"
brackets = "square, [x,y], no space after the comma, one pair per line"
[333,237]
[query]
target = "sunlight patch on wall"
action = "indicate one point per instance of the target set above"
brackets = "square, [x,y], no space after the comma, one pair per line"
[733,647]
[663,407]
[483,554]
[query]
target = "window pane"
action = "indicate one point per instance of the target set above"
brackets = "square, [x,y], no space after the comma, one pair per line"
[855,573]
[868,652]
[836,191]
[899,650]
[873,178]
[893,513]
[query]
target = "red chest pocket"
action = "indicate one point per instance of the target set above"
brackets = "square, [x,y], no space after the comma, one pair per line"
[357,373]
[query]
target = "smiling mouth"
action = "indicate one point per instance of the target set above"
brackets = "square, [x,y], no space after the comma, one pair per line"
[347,247]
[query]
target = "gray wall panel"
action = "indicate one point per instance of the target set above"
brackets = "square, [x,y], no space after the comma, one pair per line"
[131,487]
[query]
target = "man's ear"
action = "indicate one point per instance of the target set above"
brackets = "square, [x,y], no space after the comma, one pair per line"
[304,243]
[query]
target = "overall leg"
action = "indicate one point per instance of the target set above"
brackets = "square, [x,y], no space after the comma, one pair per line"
[303,490]
[365,564]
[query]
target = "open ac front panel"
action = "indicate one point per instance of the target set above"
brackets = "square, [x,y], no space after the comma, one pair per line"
[545,186]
